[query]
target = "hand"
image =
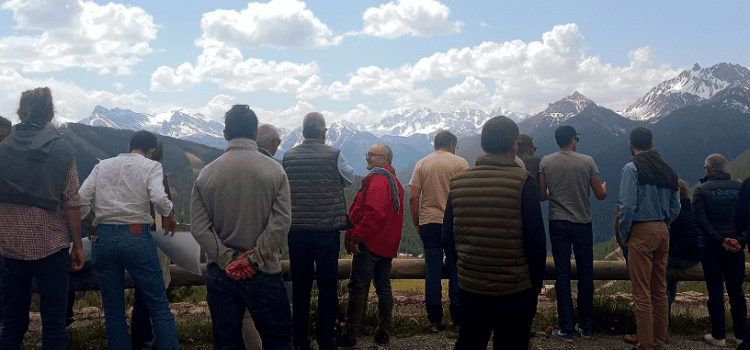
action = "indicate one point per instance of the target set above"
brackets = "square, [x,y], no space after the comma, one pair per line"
[348,243]
[731,245]
[76,258]
[170,224]
[240,268]
[355,248]
[604,186]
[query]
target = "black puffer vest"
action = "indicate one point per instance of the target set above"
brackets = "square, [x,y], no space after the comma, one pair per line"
[317,188]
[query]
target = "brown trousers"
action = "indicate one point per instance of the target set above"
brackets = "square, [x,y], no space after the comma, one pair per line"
[648,249]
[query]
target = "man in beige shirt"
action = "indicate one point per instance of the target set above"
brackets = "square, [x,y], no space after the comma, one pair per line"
[431,180]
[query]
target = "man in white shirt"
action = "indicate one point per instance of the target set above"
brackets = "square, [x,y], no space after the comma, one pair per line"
[120,190]
[431,181]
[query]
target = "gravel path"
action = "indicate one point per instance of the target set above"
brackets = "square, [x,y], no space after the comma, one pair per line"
[541,342]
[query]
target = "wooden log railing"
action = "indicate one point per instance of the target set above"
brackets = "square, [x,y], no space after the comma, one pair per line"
[401,269]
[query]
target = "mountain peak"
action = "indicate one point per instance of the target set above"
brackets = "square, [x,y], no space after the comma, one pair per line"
[563,109]
[687,89]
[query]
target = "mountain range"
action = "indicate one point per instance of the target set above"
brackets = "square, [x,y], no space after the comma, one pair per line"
[699,112]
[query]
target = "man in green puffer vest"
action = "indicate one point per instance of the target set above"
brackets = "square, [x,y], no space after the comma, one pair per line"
[494,215]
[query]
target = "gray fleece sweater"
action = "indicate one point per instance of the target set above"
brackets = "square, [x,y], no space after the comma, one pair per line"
[240,202]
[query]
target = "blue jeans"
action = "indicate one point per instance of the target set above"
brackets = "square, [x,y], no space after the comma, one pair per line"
[434,247]
[368,266]
[119,250]
[563,235]
[720,267]
[52,280]
[482,315]
[314,255]
[263,295]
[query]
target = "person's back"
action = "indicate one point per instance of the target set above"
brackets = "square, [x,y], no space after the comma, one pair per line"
[568,178]
[715,199]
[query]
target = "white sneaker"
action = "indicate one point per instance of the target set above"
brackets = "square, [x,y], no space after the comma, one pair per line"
[718,342]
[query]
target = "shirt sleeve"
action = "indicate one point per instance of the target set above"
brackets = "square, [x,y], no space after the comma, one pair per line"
[674,206]
[416,180]
[593,168]
[71,199]
[700,200]
[346,170]
[87,191]
[202,230]
[273,236]
[450,239]
[628,198]
[162,204]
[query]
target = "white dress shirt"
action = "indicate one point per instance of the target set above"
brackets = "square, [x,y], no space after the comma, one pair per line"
[121,189]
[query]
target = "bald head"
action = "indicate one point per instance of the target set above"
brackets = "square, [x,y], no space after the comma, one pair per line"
[267,137]
[716,164]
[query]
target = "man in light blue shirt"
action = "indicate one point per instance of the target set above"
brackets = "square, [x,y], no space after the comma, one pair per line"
[649,201]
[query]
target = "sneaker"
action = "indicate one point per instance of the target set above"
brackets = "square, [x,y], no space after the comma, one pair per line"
[346,342]
[557,333]
[718,342]
[382,338]
[631,338]
[584,335]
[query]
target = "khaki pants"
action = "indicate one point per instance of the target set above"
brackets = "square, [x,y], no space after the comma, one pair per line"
[648,249]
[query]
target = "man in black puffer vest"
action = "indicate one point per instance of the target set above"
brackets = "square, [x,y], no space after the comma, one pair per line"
[317,176]
[723,259]
[493,212]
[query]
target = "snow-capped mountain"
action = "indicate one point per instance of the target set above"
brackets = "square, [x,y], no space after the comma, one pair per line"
[689,88]
[175,123]
[560,111]
[461,122]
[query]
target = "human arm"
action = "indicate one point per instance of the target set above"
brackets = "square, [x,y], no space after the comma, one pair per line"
[201,227]
[447,235]
[617,228]
[628,200]
[87,192]
[534,238]
[543,195]
[741,215]
[274,234]
[345,170]
[368,215]
[600,189]
[71,207]
[170,222]
[414,193]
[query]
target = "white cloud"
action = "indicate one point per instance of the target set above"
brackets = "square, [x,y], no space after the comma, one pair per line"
[218,105]
[71,101]
[228,68]
[409,17]
[527,76]
[280,23]
[76,33]
[483,24]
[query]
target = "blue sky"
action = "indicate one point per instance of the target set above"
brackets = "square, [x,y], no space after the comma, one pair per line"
[357,61]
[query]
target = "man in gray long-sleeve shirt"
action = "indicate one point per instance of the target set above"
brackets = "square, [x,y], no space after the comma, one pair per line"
[240,214]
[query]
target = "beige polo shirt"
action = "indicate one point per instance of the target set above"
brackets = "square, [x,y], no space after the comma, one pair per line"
[432,175]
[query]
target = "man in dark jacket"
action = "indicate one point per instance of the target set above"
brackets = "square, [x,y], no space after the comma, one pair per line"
[723,258]
[741,218]
[493,212]
[317,176]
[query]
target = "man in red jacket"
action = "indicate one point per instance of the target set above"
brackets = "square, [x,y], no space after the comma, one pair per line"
[377,214]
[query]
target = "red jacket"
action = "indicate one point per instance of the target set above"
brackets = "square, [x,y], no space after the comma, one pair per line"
[376,222]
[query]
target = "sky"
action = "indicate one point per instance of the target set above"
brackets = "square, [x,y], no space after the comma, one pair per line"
[356,61]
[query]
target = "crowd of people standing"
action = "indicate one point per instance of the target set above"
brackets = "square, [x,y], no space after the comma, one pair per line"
[481,226]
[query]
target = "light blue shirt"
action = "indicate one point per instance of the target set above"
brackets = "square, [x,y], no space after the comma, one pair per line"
[644,202]
[346,170]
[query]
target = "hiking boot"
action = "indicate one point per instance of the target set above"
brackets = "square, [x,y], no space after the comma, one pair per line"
[584,334]
[382,338]
[711,340]
[566,337]
[631,338]
[436,327]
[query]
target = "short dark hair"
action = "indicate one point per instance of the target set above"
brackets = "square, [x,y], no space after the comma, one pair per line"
[444,139]
[525,142]
[641,138]
[36,106]
[564,135]
[313,125]
[240,121]
[499,134]
[158,154]
[143,140]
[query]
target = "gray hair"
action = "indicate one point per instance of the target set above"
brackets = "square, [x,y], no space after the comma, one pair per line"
[266,135]
[717,163]
[388,152]
[313,126]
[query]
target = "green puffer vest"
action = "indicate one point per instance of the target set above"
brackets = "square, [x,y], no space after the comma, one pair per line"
[487,222]
[317,190]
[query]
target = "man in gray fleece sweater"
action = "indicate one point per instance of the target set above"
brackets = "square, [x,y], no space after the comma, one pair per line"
[240,214]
